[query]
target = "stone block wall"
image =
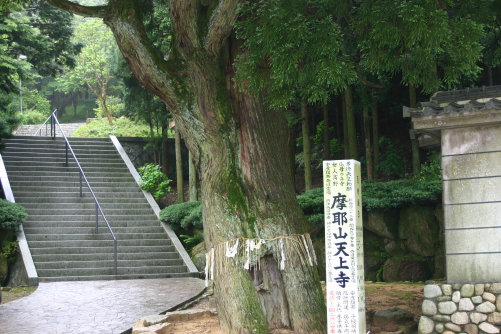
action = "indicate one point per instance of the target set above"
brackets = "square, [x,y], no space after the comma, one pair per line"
[461,308]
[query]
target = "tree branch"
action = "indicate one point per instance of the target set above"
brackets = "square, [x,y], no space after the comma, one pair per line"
[220,25]
[152,71]
[94,11]
[183,14]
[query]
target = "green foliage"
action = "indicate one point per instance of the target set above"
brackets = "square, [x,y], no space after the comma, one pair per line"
[114,104]
[9,250]
[11,215]
[431,170]
[175,214]
[392,162]
[424,40]
[186,220]
[154,181]
[122,127]
[292,49]
[400,193]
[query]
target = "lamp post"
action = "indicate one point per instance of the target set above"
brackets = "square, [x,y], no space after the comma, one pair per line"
[21,57]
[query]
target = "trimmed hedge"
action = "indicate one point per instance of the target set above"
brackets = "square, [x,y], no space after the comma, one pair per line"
[375,196]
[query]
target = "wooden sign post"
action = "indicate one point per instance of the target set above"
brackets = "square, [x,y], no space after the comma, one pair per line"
[344,247]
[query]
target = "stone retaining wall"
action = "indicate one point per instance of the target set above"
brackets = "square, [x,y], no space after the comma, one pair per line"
[461,308]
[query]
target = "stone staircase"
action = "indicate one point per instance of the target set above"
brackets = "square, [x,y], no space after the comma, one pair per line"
[60,229]
[29,130]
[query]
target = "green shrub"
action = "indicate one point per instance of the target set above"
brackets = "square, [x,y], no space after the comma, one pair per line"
[114,105]
[9,250]
[392,163]
[122,127]
[154,181]
[11,215]
[400,193]
[186,220]
[181,217]
[32,117]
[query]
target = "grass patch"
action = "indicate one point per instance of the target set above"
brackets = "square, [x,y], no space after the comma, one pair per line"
[122,127]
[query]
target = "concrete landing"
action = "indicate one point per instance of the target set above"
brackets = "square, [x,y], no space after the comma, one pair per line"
[94,306]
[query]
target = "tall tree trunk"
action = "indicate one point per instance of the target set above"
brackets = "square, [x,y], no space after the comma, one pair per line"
[350,125]
[179,168]
[489,76]
[193,190]
[245,173]
[305,123]
[368,146]
[345,128]
[327,154]
[375,133]
[165,150]
[416,163]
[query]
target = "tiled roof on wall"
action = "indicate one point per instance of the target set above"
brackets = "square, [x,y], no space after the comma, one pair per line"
[456,101]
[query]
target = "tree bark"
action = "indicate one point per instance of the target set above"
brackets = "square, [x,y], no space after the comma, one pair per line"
[238,145]
[179,168]
[165,150]
[368,146]
[350,125]
[345,127]
[305,124]
[326,133]
[193,191]
[416,163]
[375,133]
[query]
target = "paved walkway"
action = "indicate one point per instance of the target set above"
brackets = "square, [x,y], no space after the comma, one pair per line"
[94,307]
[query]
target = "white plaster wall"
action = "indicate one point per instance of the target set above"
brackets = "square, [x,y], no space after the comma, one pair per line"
[472,241]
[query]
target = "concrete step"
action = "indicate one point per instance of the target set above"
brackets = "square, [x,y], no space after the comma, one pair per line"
[91,223]
[130,183]
[97,243]
[53,152]
[28,199]
[89,211]
[60,163]
[117,277]
[108,250]
[71,178]
[96,237]
[43,219]
[60,148]
[109,271]
[165,263]
[91,229]
[31,159]
[76,189]
[68,172]
[107,256]
[84,205]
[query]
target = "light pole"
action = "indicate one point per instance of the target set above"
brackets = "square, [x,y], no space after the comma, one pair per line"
[21,57]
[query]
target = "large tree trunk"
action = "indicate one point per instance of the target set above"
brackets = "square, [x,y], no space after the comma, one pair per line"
[193,188]
[305,124]
[367,137]
[179,168]
[241,148]
[375,133]
[350,125]
[326,133]
[416,163]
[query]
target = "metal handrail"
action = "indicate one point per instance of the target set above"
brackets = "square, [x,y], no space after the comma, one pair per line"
[53,122]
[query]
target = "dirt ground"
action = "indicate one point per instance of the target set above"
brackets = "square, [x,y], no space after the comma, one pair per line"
[379,297]
[10,294]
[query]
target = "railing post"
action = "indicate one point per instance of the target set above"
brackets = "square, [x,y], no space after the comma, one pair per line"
[97,231]
[115,254]
[80,172]
[66,155]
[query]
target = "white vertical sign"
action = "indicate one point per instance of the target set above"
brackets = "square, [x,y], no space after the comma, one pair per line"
[344,247]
